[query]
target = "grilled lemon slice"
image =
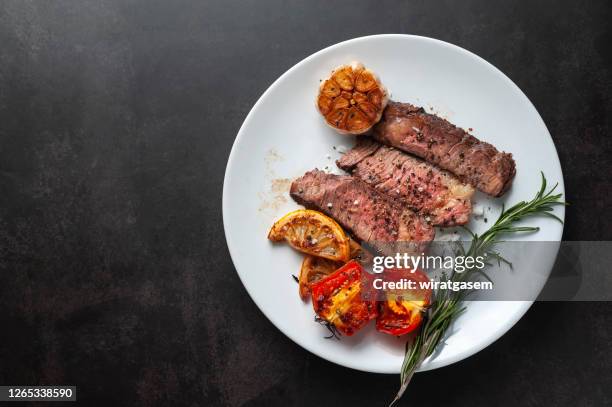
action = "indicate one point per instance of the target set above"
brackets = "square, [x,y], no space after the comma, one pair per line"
[352,99]
[313,233]
[314,269]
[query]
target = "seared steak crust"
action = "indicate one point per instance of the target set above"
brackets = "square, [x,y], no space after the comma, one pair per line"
[373,217]
[439,142]
[420,185]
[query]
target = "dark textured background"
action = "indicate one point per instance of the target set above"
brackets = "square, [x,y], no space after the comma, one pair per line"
[116,121]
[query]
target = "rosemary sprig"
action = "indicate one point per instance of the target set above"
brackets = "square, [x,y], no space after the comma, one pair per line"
[333,331]
[448,305]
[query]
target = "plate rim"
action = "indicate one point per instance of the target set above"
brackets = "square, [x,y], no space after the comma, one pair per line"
[525,305]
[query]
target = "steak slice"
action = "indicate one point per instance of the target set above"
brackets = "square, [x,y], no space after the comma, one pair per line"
[420,185]
[374,218]
[439,142]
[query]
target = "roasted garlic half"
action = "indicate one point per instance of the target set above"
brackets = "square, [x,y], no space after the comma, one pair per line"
[352,99]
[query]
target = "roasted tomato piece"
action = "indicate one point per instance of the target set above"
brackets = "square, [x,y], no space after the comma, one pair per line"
[401,314]
[337,299]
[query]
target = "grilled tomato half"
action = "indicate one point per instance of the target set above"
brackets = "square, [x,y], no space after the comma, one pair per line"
[352,99]
[399,315]
[337,299]
[312,232]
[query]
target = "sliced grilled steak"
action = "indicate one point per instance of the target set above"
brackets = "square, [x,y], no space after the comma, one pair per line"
[439,142]
[364,147]
[374,218]
[420,185]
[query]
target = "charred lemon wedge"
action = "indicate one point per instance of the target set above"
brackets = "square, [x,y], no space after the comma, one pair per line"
[313,233]
[352,99]
[314,269]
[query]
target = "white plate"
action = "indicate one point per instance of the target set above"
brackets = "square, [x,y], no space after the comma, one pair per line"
[283,136]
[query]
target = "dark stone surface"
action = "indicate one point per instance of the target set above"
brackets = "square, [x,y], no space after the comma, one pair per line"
[116,121]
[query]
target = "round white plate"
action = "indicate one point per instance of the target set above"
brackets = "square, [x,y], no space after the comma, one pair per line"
[283,136]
